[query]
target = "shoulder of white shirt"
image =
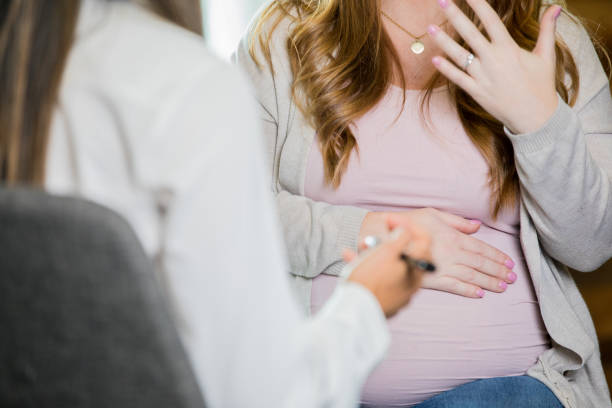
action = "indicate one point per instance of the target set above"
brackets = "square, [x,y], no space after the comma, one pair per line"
[125,46]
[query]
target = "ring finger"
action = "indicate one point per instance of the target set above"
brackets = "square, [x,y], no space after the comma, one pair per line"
[455,52]
[483,265]
[470,275]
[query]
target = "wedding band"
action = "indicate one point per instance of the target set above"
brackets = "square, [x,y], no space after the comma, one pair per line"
[468,61]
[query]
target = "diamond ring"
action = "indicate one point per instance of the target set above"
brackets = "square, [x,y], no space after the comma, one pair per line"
[468,61]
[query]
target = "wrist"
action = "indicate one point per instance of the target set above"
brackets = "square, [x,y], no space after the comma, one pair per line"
[563,123]
[374,223]
[534,118]
[355,303]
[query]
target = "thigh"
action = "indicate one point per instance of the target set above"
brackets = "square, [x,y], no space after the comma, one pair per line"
[504,392]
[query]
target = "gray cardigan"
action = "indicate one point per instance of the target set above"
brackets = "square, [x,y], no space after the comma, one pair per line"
[565,172]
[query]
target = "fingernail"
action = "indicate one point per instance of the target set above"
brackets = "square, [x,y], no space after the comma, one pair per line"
[512,277]
[477,222]
[443,3]
[558,12]
[436,61]
[480,293]
[503,285]
[432,29]
[509,264]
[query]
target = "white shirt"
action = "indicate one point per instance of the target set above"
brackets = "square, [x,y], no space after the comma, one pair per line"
[154,127]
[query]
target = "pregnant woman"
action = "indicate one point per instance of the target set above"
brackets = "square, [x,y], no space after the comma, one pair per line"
[492,111]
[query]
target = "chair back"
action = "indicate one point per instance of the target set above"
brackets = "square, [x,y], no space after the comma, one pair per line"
[83,322]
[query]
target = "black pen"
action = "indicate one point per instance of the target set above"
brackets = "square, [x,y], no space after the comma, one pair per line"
[371,242]
[425,266]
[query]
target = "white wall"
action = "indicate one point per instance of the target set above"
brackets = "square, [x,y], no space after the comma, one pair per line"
[225,21]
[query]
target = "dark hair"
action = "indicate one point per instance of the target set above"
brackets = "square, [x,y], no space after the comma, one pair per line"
[35,39]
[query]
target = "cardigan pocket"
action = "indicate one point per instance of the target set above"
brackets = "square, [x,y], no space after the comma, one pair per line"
[564,325]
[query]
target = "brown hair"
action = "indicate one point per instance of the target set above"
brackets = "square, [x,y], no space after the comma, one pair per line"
[35,39]
[342,62]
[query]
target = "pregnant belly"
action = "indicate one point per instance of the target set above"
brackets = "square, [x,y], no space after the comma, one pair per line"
[441,341]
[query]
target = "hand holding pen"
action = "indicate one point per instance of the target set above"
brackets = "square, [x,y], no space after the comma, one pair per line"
[371,242]
[388,267]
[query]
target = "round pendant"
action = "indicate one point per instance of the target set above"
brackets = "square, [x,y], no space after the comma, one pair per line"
[417,47]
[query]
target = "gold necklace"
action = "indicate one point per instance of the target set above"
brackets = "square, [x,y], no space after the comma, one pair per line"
[417,46]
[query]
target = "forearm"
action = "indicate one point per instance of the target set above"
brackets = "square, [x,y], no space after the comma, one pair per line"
[224,268]
[248,343]
[316,233]
[336,351]
[567,192]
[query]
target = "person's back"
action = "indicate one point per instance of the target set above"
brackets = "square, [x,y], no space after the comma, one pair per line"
[150,124]
[115,137]
[143,109]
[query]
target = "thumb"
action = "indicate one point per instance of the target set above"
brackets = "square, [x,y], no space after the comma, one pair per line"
[414,241]
[400,239]
[545,46]
[348,255]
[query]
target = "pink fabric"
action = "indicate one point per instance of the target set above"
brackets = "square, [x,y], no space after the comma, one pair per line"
[441,340]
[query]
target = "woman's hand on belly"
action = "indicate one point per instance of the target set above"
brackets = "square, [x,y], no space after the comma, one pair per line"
[465,265]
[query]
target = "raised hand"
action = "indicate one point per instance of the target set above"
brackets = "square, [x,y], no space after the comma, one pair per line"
[515,85]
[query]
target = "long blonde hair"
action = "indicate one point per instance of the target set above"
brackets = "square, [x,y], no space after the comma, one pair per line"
[342,63]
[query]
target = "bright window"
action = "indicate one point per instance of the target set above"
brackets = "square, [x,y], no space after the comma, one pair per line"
[225,21]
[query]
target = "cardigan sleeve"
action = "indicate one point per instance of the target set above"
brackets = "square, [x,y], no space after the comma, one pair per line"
[565,168]
[315,232]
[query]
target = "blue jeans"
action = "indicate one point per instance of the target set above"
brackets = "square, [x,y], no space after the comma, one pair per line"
[504,392]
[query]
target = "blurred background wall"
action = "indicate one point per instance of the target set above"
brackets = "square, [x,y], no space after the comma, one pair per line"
[226,21]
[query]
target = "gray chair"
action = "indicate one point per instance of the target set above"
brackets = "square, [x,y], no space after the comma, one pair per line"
[82,321]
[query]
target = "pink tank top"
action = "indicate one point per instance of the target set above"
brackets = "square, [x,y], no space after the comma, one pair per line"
[441,340]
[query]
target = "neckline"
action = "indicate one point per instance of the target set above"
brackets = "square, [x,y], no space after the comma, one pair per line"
[417,91]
